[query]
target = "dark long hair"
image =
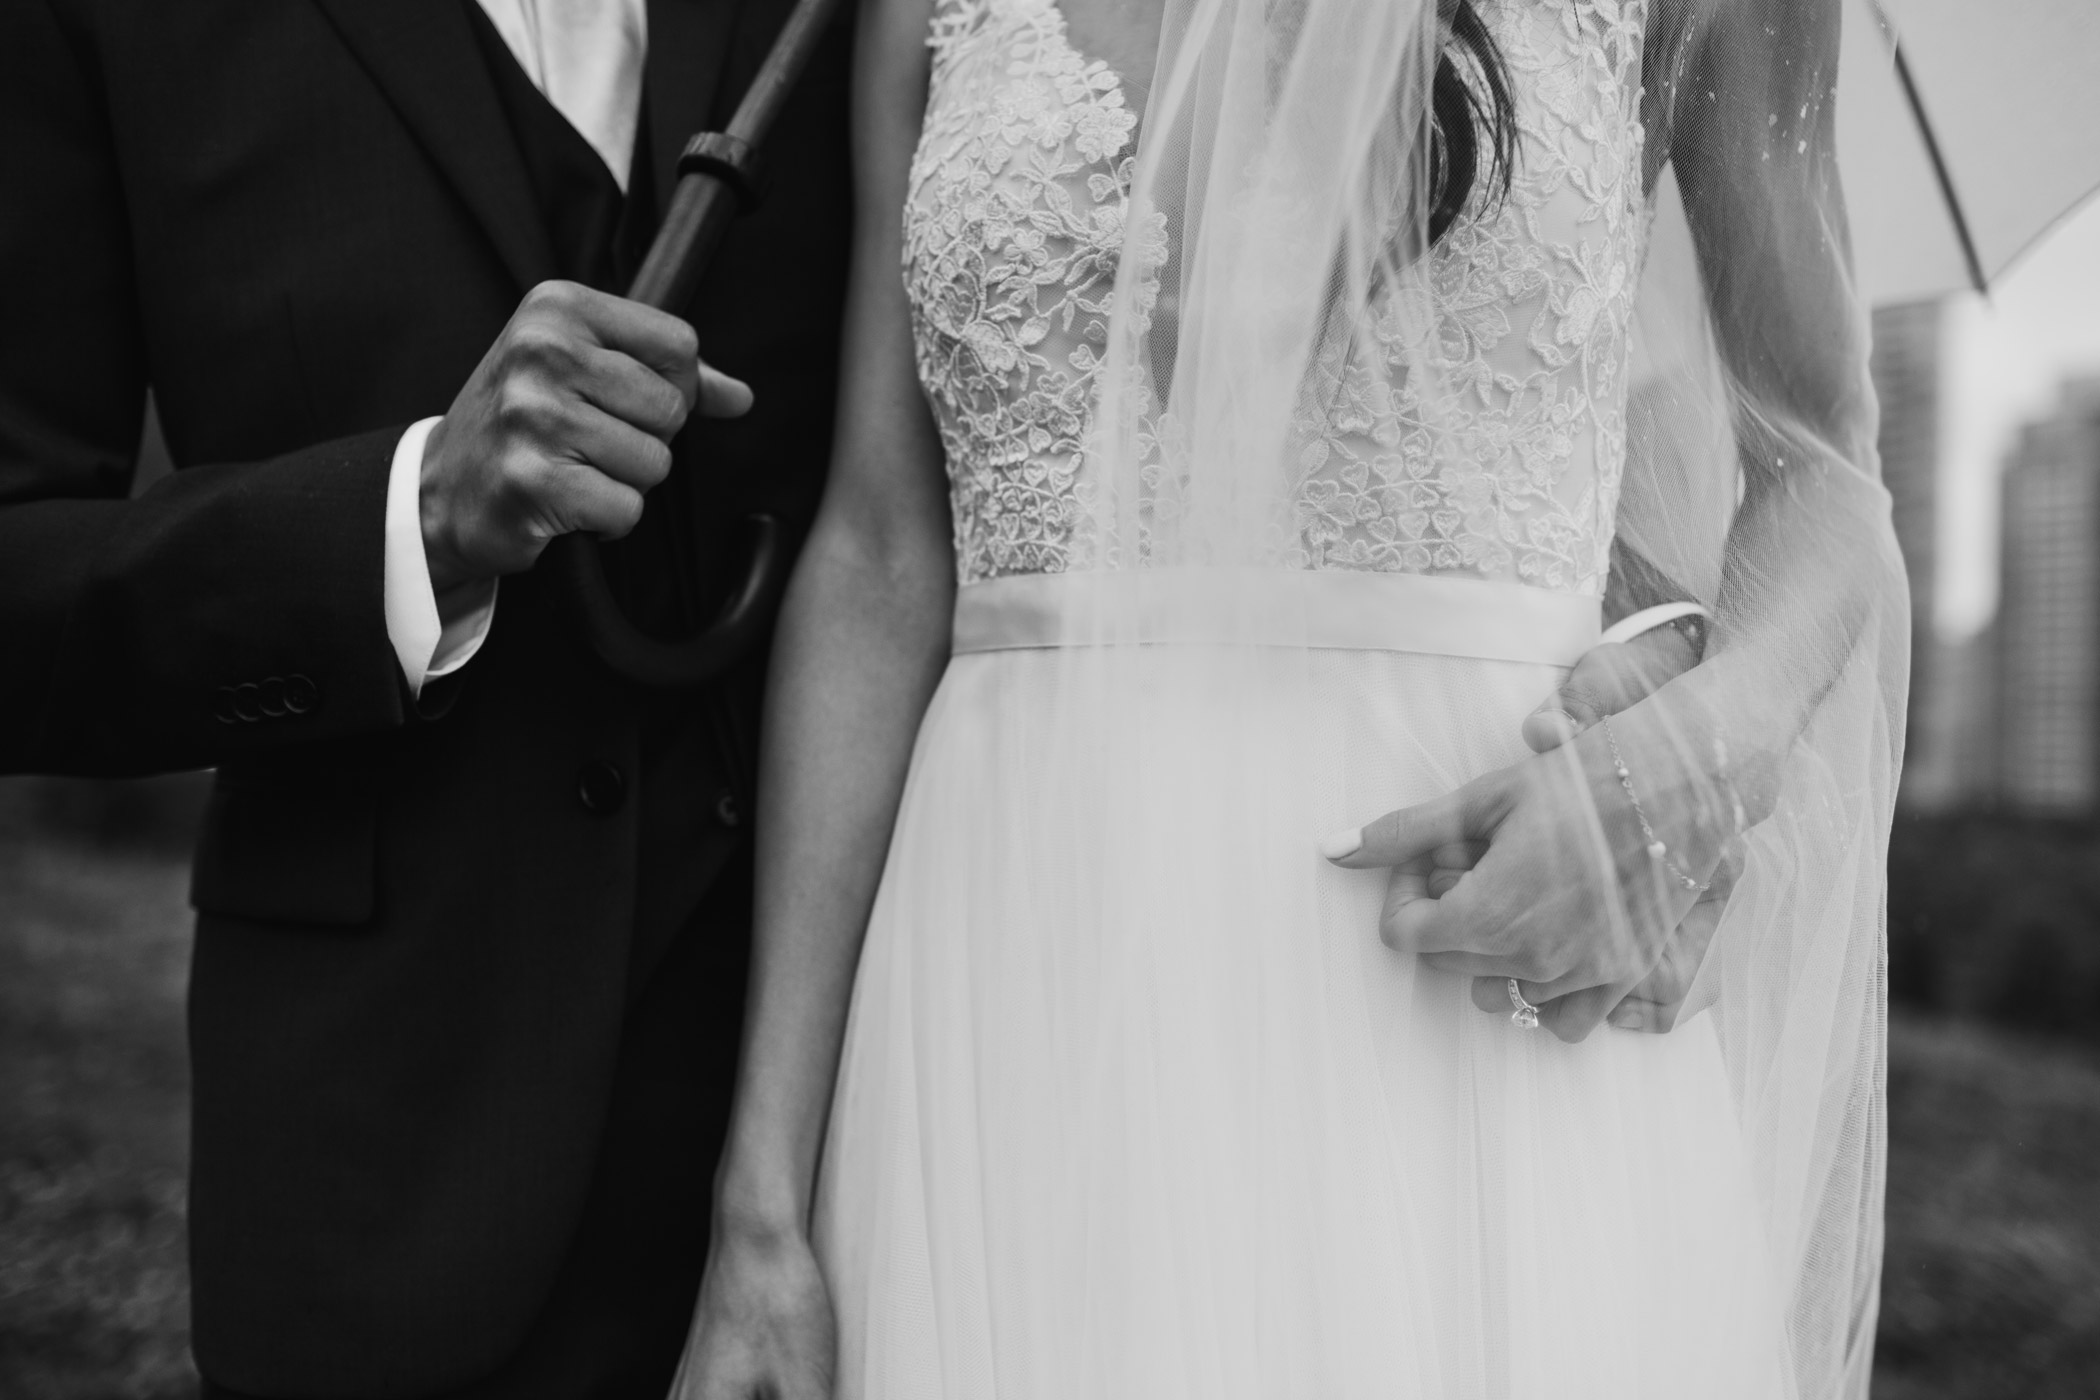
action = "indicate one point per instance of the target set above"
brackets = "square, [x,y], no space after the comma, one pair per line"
[1473,120]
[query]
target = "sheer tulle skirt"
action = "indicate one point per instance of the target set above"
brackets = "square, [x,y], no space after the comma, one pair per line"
[1135,1106]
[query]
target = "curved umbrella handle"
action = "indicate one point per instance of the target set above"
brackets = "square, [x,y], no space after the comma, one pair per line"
[690,662]
[717,177]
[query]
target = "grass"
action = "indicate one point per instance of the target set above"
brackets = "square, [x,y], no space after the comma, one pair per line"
[1991,1283]
[94,951]
[1992,1286]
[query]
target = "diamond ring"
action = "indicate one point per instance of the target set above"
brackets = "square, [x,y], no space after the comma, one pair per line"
[1526,1016]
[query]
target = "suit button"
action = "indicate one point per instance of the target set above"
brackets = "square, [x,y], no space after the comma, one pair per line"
[222,705]
[271,697]
[301,695]
[247,701]
[601,788]
[726,810]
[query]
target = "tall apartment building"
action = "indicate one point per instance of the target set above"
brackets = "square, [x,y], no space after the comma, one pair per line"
[1908,366]
[2047,710]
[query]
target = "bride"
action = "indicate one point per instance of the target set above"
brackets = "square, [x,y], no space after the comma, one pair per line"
[1243,401]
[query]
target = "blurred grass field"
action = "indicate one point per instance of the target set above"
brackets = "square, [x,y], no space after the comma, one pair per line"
[1992,1287]
[94,952]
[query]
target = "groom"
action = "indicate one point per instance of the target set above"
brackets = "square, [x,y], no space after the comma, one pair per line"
[471,910]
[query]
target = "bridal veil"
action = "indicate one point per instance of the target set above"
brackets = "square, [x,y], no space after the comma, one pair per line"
[1280,217]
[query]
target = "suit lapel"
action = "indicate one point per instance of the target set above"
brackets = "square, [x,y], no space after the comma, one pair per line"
[689,47]
[422,55]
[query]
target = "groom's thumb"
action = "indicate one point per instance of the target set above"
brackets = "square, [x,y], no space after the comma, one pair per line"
[1610,677]
[1466,814]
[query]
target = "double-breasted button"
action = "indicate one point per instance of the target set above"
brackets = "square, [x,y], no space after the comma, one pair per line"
[601,787]
[726,810]
[301,695]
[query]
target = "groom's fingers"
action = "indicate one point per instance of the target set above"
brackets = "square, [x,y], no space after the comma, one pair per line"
[1467,814]
[1408,901]
[1609,678]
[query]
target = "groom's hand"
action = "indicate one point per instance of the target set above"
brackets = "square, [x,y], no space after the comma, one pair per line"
[564,424]
[1608,678]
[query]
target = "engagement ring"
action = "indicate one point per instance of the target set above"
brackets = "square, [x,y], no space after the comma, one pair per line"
[1526,1016]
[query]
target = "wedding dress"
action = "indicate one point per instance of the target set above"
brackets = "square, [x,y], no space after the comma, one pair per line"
[1134,1103]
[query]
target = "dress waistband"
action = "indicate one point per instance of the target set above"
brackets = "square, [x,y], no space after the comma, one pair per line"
[1338,609]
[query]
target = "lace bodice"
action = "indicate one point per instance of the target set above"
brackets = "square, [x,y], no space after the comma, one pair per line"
[1014,224]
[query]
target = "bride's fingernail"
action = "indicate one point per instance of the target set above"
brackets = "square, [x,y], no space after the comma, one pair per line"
[1343,844]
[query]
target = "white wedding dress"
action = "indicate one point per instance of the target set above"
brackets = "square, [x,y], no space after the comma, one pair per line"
[1106,1128]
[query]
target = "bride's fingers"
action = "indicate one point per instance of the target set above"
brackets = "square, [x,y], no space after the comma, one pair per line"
[1449,864]
[1447,929]
[1570,1016]
[1487,967]
[1468,814]
[1491,994]
[1575,1015]
[1640,1014]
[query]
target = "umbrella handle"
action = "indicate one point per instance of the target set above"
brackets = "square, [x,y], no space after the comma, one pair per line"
[690,662]
[718,177]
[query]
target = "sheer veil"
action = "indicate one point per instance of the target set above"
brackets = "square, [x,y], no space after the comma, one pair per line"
[1277,228]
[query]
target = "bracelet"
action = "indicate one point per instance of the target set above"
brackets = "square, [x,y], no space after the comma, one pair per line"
[1690,619]
[1656,848]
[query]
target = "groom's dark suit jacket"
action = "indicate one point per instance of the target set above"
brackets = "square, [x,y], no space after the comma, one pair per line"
[468,969]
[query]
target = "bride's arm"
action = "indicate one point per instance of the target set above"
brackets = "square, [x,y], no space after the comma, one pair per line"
[862,641]
[1566,896]
[1809,554]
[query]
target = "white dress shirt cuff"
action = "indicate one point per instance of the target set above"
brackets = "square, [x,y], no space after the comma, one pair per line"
[432,636]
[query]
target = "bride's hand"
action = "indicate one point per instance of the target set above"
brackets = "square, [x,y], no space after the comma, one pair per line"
[1606,680]
[1562,892]
[762,1329]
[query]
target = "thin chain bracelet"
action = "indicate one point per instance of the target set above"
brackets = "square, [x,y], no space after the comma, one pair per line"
[1656,848]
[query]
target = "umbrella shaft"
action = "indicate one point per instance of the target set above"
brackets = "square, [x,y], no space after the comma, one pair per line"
[701,210]
[702,205]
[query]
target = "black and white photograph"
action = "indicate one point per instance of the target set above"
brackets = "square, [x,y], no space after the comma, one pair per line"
[1049,700]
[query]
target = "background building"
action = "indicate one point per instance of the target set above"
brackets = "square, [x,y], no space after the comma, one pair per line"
[2047,713]
[1909,379]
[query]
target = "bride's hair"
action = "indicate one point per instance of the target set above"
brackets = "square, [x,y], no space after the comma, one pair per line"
[1471,112]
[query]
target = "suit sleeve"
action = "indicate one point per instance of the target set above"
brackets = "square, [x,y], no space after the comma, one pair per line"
[229,609]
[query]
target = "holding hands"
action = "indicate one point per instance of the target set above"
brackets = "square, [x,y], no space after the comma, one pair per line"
[1547,871]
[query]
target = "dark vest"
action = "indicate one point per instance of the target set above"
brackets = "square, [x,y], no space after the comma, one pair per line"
[599,235]
[670,572]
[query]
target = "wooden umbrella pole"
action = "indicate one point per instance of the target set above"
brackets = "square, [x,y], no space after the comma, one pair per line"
[718,174]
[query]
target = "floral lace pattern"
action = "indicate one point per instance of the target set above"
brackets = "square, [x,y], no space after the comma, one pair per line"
[1012,233]
[1015,223]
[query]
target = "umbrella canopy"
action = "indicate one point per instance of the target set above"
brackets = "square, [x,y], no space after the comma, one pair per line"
[1967,128]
